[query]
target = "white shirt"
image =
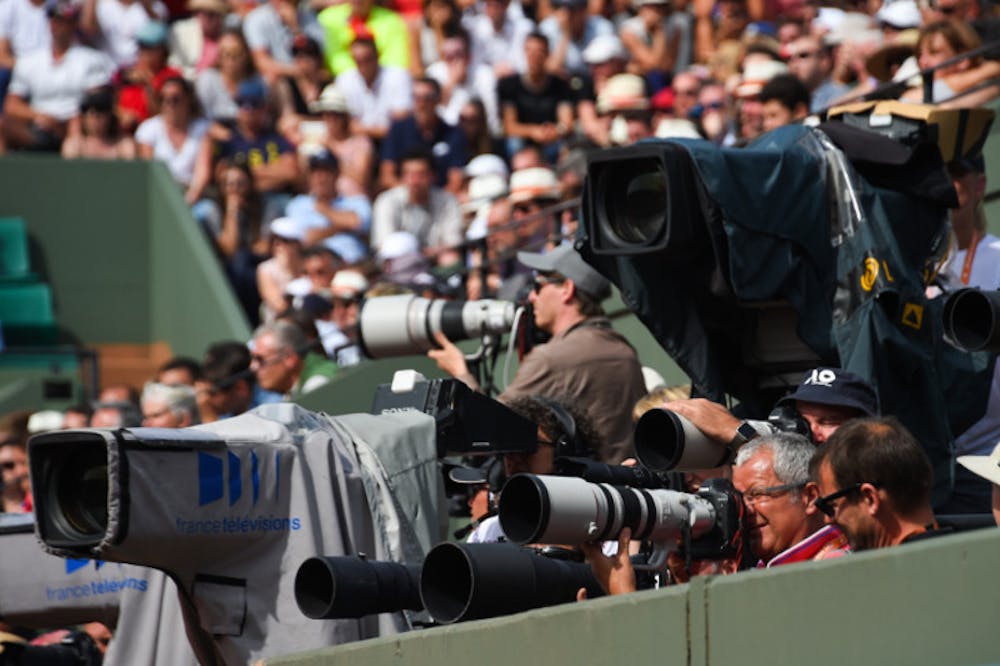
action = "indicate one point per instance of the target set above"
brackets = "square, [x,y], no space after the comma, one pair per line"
[374,107]
[494,48]
[153,132]
[119,23]
[439,224]
[480,82]
[56,88]
[25,25]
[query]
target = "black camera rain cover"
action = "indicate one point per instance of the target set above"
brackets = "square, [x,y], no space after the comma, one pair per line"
[790,218]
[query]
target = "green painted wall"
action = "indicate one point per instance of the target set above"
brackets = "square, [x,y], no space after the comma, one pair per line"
[935,602]
[123,255]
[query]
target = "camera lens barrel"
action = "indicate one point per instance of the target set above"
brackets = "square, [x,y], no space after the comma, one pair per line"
[469,581]
[565,510]
[665,440]
[351,587]
[972,319]
[405,324]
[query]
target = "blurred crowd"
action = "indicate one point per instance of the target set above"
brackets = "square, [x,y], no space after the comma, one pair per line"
[417,141]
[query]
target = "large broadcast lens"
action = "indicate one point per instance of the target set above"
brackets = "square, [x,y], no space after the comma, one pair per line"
[636,200]
[972,319]
[405,324]
[80,485]
[565,510]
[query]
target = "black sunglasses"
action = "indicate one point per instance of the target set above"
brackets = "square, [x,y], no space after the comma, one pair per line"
[825,503]
[542,280]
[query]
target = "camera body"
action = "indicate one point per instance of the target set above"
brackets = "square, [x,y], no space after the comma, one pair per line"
[468,422]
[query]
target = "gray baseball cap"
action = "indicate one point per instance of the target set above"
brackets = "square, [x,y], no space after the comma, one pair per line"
[566,261]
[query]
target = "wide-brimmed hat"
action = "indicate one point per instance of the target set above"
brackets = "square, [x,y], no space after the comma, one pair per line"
[884,63]
[987,467]
[623,92]
[534,184]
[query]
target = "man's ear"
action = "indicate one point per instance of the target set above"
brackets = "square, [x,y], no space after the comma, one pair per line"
[568,291]
[809,494]
[870,495]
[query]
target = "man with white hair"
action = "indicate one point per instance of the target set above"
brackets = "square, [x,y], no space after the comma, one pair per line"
[167,406]
[282,362]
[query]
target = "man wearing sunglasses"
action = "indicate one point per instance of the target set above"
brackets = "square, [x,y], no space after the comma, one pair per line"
[874,482]
[586,361]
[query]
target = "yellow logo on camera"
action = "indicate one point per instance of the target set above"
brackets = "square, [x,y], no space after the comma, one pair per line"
[871,272]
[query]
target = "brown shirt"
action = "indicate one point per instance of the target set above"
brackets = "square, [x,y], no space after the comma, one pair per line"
[596,370]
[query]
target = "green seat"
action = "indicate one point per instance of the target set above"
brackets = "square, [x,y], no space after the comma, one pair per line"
[14,259]
[26,316]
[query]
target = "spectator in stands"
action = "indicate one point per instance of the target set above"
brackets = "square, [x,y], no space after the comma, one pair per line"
[652,40]
[355,151]
[15,485]
[712,113]
[811,61]
[585,361]
[875,481]
[270,30]
[120,392]
[750,111]
[461,81]
[98,135]
[624,107]
[376,94]
[347,289]
[114,24]
[77,416]
[441,18]
[784,100]
[570,30]
[341,223]
[217,85]
[174,136]
[716,25]
[139,84]
[253,141]
[116,415]
[498,37]
[425,131]
[285,265]
[686,86]
[319,266]
[179,371]
[300,90]
[282,363]
[48,85]
[347,23]
[942,41]
[169,406]
[417,206]
[535,106]
[227,386]
[605,58]
[195,41]
[943,10]
[473,123]
[24,27]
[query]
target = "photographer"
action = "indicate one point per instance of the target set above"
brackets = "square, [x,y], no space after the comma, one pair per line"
[586,361]
[561,432]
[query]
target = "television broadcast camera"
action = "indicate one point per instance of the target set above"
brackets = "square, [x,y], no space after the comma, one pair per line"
[226,508]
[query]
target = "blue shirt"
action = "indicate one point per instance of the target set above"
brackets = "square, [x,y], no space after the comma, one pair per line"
[447,145]
[595,26]
[350,247]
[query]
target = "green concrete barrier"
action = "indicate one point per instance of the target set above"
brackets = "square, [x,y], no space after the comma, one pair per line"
[935,602]
[125,259]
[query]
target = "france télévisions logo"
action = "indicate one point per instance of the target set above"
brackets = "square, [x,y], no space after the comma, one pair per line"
[213,484]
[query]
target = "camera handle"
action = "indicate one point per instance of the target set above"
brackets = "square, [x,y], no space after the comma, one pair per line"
[657,560]
[482,362]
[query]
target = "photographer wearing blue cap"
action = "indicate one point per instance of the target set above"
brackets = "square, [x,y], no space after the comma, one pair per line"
[586,361]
